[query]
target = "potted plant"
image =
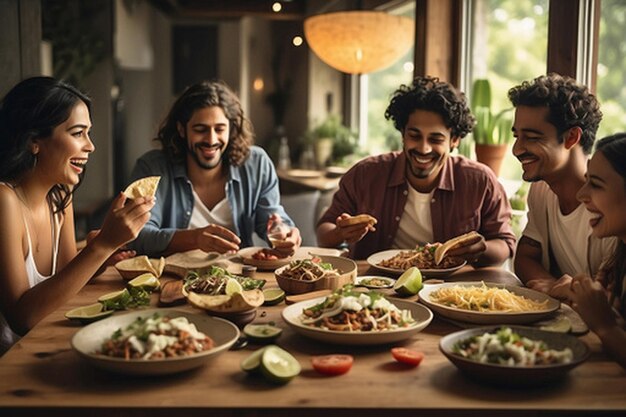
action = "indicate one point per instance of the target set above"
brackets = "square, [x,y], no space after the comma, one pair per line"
[332,141]
[492,132]
[519,206]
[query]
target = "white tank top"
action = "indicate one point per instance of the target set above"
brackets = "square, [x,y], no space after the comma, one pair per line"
[7,336]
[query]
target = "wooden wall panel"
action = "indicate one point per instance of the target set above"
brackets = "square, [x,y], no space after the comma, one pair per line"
[563,37]
[10,61]
[30,37]
[437,39]
[20,41]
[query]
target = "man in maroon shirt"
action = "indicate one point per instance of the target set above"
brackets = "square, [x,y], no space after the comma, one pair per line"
[423,194]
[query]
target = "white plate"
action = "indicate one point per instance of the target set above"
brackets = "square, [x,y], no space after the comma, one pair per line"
[262,264]
[422,316]
[377,257]
[362,281]
[89,339]
[488,317]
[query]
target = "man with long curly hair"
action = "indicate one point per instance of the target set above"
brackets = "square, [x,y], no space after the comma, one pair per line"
[555,126]
[423,193]
[216,189]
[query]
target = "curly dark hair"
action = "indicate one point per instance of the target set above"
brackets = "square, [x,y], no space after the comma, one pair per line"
[31,110]
[198,96]
[570,105]
[428,93]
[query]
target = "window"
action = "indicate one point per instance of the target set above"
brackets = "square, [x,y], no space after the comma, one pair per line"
[378,135]
[611,89]
[491,54]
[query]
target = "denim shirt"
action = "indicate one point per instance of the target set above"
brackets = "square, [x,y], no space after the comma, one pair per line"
[251,189]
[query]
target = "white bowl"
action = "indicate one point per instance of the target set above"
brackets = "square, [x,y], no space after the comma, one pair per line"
[87,341]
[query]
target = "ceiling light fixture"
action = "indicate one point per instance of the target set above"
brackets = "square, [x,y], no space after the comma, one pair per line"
[359,42]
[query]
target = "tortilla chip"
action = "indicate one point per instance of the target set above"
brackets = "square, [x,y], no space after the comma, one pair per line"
[144,187]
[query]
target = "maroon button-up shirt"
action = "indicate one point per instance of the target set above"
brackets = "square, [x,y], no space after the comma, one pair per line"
[468,197]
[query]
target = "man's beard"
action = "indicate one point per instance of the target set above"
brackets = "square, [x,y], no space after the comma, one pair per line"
[423,173]
[195,152]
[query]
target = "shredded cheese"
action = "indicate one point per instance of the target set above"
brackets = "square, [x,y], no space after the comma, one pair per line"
[485,299]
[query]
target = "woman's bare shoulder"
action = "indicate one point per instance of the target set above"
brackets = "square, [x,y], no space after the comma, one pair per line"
[8,198]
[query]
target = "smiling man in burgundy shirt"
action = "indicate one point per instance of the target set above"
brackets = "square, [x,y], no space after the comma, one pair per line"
[423,194]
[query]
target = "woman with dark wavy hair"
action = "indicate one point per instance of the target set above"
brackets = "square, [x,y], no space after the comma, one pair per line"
[44,147]
[424,193]
[216,189]
[602,302]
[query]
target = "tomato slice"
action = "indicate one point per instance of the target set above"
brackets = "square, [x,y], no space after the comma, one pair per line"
[408,356]
[332,364]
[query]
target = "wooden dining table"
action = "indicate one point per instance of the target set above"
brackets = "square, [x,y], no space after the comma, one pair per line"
[43,375]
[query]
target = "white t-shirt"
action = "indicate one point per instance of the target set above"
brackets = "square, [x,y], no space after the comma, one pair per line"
[569,236]
[201,216]
[416,227]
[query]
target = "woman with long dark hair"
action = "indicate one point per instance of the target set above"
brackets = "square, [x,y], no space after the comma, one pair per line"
[44,147]
[604,195]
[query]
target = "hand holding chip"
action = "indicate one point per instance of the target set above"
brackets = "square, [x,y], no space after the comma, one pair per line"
[354,228]
[123,222]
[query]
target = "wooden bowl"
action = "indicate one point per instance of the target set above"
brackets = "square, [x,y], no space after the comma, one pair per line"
[347,274]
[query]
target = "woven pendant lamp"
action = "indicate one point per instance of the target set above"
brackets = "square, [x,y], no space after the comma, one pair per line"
[359,42]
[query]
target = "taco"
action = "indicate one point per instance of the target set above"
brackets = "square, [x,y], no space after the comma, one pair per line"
[143,187]
[455,242]
[358,219]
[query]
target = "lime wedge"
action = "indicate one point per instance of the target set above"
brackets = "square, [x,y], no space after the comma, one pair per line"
[233,287]
[273,296]
[146,281]
[115,300]
[278,365]
[409,283]
[252,363]
[88,314]
[263,333]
